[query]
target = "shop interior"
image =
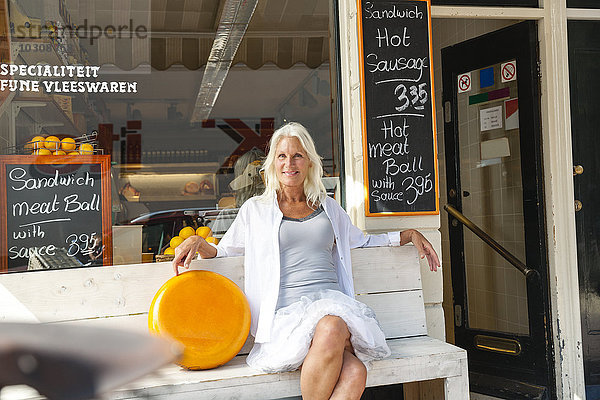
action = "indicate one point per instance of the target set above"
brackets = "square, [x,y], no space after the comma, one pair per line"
[174,144]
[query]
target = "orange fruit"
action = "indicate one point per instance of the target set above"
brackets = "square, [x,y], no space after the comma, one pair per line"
[169,250]
[74,153]
[86,148]
[68,144]
[59,153]
[187,232]
[52,143]
[176,241]
[36,143]
[203,231]
[42,152]
[211,239]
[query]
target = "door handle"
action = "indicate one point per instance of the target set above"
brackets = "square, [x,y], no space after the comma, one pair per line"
[577,170]
[578,205]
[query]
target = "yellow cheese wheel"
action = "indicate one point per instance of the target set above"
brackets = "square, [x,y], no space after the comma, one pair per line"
[203,231]
[204,311]
[36,143]
[86,148]
[52,143]
[211,239]
[186,232]
[68,144]
[42,152]
[176,241]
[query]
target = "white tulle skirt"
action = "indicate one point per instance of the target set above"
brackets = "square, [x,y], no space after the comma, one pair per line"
[294,327]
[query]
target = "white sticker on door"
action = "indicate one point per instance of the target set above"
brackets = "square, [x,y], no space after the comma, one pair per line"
[490,118]
[464,82]
[509,71]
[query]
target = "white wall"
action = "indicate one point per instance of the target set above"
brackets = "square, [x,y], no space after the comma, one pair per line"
[462,23]
[428,224]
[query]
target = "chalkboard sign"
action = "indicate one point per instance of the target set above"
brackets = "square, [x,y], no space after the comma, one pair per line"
[399,147]
[55,209]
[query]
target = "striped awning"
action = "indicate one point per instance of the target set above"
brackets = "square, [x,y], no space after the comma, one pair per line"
[182,32]
[253,52]
[193,53]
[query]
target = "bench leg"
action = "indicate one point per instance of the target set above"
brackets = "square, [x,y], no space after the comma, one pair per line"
[457,387]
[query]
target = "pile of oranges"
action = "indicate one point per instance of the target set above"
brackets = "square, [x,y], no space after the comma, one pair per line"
[186,232]
[45,146]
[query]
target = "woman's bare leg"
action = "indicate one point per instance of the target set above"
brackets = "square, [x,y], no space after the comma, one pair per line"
[352,380]
[323,363]
[331,370]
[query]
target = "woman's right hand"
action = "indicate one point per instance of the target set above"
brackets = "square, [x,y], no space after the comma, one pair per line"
[186,251]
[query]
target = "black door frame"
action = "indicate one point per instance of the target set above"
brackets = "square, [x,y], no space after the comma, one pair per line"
[536,365]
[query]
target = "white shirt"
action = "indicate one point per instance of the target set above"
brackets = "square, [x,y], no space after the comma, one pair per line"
[255,235]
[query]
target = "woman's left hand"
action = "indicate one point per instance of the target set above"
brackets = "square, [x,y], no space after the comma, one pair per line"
[423,246]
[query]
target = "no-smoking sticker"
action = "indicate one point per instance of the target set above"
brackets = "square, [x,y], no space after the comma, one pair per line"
[464,82]
[508,71]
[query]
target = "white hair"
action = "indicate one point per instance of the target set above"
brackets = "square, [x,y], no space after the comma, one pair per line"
[314,190]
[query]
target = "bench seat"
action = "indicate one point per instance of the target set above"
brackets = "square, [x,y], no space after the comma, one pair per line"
[387,279]
[412,359]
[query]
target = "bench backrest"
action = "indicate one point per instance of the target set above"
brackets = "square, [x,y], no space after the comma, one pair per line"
[387,279]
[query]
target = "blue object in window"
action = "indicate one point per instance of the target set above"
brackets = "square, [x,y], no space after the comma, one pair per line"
[486,77]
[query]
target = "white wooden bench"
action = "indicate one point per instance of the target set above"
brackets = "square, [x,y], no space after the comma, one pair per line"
[386,278]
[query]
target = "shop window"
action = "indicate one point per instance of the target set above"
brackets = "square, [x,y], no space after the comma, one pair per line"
[183,97]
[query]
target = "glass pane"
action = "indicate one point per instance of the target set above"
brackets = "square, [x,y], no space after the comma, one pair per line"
[583,4]
[184,97]
[490,174]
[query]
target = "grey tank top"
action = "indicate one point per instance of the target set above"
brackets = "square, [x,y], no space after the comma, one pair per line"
[306,247]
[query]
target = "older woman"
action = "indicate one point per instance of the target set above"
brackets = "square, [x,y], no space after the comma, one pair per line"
[298,277]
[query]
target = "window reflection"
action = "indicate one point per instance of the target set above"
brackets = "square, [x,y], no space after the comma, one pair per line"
[187,134]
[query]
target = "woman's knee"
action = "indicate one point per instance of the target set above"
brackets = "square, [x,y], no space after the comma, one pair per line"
[331,335]
[334,328]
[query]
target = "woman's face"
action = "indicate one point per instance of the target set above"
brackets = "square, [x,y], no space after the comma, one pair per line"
[291,162]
